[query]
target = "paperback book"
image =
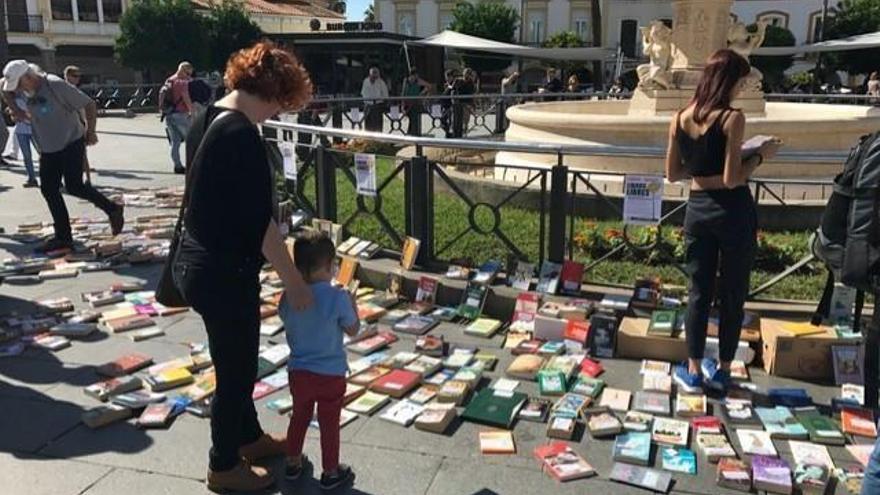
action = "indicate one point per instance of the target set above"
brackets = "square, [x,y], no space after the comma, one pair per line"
[535,409]
[525,366]
[562,463]
[497,442]
[571,405]
[487,272]
[415,324]
[781,423]
[847,360]
[678,460]
[811,479]
[368,403]
[435,418]
[548,279]
[571,277]
[551,382]
[670,431]
[633,448]
[714,446]
[652,403]
[603,335]
[431,345]
[521,278]
[771,474]
[638,422]
[734,474]
[858,422]
[755,442]
[584,385]
[822,429]
[615,399]
[690,405]
[403,413]
[642,477]
[603,424]
[740,413]
[561,427]
[810,453]
[473,300]
[663,323]
[483,327]
[657,383]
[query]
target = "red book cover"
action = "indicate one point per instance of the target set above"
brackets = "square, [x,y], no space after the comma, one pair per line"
[571,277]
[707,423]
[542,452]
[527,347]
[858,422]
[125,365]
[389,337]
[427,291]
[262,389]
[591,368]
[577,331]
[397,383]
[526,308]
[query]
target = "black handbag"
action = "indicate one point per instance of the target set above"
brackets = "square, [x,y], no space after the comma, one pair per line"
[167,292]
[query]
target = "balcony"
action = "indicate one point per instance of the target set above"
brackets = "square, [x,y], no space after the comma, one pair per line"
[24,23]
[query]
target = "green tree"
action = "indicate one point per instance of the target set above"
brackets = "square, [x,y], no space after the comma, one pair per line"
[229,30]
[849,18]
[564,39]
[155,35]
[490,20]
[774,68]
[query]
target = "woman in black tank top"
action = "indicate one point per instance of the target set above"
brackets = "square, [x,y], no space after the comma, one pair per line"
[705,141]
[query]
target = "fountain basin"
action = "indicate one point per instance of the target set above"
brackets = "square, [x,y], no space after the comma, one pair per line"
[803,127]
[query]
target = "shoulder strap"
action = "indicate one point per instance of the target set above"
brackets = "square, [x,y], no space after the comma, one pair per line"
[209,126]
[824,306]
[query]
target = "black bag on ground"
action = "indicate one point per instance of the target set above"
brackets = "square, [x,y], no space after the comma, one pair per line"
[167,292]
[848,238]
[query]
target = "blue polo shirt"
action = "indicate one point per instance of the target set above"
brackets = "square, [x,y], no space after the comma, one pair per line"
[315,335]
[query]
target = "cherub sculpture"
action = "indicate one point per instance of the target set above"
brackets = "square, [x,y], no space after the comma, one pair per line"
[743,42]
[657,43]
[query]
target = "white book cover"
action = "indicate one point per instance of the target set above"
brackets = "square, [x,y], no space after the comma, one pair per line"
[403,413]
[670,431]
[756,442]
[810,453]
[277,354]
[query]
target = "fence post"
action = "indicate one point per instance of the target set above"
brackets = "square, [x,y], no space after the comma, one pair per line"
[325,184]
[501,116]
[336,118]
[558,196]
[420,205]
[872,359]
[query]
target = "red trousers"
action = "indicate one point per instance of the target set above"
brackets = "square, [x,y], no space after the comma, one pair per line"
[327,392]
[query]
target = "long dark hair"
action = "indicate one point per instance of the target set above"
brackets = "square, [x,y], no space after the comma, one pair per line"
[723,70]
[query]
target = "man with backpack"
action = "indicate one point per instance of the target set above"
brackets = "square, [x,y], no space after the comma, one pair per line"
[177,110]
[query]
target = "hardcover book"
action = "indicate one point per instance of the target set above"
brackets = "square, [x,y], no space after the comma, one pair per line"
[529,346]
[347,271]
[690,405]
[146,333]
[497,442]
[670,431]
[571,277]
[576,334]
[401,359]
[103,390]
[739,413]
[483,327]
[169,379]
[50,342]
[646,293]
[714,446]
[603,424]
[368,403]
[652,403]
[859,422]
[615,399]
[431,345]
[790,397]
[563,463]
[402,413]
[678,460]
[535,409]
[852,393]
[424,394]
[651,479]
[473,300]
[847,360]
[603,335]
[453,391]
[74,330]
[734,474]
[781,423]
[822,429]
[591,387]
[548,279]
[633,448]
[409,253]
[397,383]
[524,312]
[638,422]
[372,344]
[771,474]
[549,329]
[494,408]
[755,442]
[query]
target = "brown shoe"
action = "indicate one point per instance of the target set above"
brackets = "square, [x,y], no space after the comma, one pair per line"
[265,446]
[242,478]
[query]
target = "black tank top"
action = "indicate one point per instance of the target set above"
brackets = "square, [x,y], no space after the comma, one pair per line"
[704,156]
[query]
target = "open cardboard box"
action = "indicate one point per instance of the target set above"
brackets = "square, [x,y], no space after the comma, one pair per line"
[808,356]
[633,342]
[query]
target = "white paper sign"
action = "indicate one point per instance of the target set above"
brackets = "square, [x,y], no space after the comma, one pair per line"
[394,112]
[365,171]
[436,111]
[643,199]
[355,115]
[289,160]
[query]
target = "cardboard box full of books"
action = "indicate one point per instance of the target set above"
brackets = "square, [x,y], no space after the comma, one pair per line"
[634,342]
[798,356]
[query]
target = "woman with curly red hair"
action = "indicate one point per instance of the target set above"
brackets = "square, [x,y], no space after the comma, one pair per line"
[228,234]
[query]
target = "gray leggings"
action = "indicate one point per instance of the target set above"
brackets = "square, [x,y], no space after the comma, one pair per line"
[720,232]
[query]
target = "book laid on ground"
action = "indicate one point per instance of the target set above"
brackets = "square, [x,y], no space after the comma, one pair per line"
[591,368]
[670,431]
[146,333]
[657,383]
[74,330]
[415,324]
[497,442]
[810,453]
[714,446]
[473,299]
[535,409]
[548,278]
[678,460]
[368,403]
[652,367]
[425,365]
[105,414]
[571,405]
[571,277]
[771,474]
[105,389]
[562,463]
[852,393]
[615,399]
[822,429]
[487,272]
[551,382]
[453,391]
[483,327]
[642,477]
[409,253]
[426,295]
[126,323]
[858,422]
[734,474]
[739,371]
[281,405]
[403,412]
[847,360]
[396,383]
[459,358]
[755,442]
[633,448]
[525,366]
[739,413]
[585,385]
[811,479]
[561,427]
[781,423]
[663,322]
[168,379]
[494,408]
[637,421]
[690,405]
[861,453]
[102,298]
[424,394]
[431,345]
[652,403]
[603,335]
[372,344]
[138,399]
[50,342]
[124,365]
[436,417]
[156,415]
[521,278]
[603,424]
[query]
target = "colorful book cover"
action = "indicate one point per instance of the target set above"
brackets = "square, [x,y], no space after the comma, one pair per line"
[651,479]
[472,303]
[755,442]
[652,402]
[637,421]
[633,447]
[847,360]
[548,281]
[497,442]
[603,335]
[734,474]
[781,423]
[822,429]
[810,453]
[859,422]
[571,277]
[662,322]
[487,272]
[670,431]
[551,382]
[563,463]
[810,478]
[771,474]
[409,253]
[427,291]
[535,409]
[521,278]
[679,460]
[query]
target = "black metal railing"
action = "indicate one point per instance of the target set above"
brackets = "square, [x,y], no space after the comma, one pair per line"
[123,96]
[24,23]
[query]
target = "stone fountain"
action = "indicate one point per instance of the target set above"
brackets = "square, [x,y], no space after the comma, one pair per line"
[666,83]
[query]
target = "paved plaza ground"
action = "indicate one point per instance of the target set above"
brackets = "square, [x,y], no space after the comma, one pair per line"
[45,449]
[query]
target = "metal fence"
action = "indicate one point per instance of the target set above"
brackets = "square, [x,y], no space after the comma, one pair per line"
[419,186]
[130,97]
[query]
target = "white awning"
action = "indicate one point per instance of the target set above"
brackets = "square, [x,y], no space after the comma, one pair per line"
[858,42]
[458,41]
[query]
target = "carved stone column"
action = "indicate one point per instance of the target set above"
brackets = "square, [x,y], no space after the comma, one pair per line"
[700,28]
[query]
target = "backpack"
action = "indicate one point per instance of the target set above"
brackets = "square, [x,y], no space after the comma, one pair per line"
[848,237]
[166,104]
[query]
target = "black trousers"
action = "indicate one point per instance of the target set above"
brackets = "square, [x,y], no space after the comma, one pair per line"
[68,164]
[720,232]
[227,297]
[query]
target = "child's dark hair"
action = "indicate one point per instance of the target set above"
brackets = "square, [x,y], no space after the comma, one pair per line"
[312,251]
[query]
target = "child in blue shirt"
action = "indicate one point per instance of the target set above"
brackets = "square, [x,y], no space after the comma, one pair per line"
[318,362]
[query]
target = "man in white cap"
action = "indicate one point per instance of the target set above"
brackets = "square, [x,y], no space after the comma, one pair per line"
[53,108]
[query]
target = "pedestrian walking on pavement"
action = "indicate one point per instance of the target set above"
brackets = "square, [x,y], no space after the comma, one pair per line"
[73,75]
[53,107]
[177,110]
[23,131]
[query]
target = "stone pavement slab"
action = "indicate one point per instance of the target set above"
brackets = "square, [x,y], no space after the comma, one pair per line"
[25,475]
[127,481]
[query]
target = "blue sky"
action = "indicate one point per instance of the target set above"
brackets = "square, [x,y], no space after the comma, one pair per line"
[355,9]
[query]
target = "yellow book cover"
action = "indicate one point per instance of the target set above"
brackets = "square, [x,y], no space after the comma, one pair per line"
[347,270]
[497,442]
[802,329]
